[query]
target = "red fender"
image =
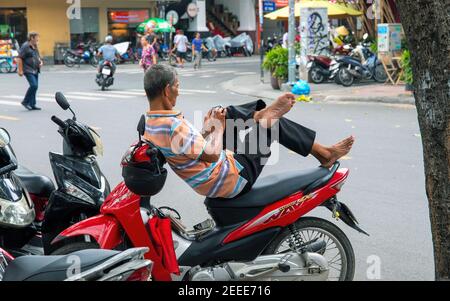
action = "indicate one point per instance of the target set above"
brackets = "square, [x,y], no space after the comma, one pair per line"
[104,229]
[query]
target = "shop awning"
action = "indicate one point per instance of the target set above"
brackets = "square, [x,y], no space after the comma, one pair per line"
[335,11]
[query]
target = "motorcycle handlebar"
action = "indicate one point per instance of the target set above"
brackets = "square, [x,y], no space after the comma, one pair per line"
[59,122]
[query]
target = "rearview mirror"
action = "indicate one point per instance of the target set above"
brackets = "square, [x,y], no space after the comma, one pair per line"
[5,138]
[62,101]
[346,47]
[141,126]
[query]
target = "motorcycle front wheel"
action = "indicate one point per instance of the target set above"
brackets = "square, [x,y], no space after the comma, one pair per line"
[94,62]
[5,67]
[338,250]
[345,77]
[69,61]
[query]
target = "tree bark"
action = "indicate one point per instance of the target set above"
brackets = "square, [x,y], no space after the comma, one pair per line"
[427,28]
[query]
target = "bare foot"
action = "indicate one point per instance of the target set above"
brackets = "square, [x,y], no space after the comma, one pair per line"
[276,110]
[327,156]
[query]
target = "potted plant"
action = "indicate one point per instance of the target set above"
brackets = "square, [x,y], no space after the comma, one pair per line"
[276,62]
[407,70]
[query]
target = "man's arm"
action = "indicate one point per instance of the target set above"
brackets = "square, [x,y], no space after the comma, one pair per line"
[19,66]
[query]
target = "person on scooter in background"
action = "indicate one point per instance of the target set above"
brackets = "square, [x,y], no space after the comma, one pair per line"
[197,51]
[202,159]
[108,53]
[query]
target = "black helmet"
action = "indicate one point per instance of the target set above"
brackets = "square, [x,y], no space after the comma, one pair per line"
[146,177]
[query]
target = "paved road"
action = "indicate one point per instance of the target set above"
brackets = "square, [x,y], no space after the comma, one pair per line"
[386,184]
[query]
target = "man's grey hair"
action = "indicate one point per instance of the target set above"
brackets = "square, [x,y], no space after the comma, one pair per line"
[32,35]
[157,78]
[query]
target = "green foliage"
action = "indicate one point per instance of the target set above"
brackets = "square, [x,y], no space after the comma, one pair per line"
[374,46]
[407,69]
[276,61]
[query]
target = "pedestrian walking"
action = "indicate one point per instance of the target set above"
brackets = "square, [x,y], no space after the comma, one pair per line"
[148,53]
[197,50]
[180,42]
[29,65]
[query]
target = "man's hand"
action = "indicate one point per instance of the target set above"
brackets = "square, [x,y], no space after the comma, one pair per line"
[214,121]
[20,73]
[41,63]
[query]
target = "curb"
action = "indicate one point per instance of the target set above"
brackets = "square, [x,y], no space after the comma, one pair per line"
[233,86]
[375,99]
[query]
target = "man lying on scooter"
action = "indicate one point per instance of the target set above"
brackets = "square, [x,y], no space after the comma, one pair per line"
[215,162]
[108,53]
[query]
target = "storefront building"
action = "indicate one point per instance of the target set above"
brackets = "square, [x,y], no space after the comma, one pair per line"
[60,22]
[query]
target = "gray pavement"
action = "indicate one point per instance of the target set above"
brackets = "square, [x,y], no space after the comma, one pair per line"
[385,188]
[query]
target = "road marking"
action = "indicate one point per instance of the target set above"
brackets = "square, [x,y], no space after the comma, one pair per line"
[99,95]
[9,103]
[10,118]
[245,73]
[142,93]
[38,98]
[199,91]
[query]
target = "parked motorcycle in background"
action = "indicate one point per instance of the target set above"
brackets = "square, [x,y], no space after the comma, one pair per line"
[95,265]
[362,64]
[84,53]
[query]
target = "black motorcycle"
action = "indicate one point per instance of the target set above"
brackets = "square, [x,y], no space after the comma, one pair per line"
[361,64]
[21,195]
[85,53]
[82,187]
[105,77]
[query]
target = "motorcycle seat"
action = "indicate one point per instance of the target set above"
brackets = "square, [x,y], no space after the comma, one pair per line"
[35,184]
[271,189]
[53,268]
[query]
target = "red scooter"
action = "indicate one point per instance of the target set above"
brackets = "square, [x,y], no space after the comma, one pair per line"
[261,235]
[319,65]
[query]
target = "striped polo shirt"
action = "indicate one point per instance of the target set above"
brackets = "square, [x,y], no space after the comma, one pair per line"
[182,146]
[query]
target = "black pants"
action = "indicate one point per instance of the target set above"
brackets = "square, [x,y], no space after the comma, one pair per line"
[291,135]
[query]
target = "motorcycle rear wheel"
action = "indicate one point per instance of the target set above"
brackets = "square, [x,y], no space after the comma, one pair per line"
[380,74]
[316,76]
[307,227]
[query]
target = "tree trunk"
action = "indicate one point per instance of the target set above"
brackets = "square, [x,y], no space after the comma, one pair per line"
[427,29]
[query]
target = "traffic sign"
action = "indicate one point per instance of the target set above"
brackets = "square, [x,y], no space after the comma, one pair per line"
[269,6]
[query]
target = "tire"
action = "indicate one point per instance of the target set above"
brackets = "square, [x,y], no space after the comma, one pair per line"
[74,247]
[68,62]
[330,229]
[345,78]
[210,57]
[5,67]
[315,75]
[94,62]
[380,74]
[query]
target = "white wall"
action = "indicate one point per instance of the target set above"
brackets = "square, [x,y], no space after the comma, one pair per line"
[199,22]
[245,10]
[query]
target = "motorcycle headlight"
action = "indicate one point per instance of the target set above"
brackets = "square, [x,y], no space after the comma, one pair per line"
[75,191]
[98,149]
[16,214]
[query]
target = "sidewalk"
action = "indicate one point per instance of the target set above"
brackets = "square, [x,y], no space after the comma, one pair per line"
[365,92]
